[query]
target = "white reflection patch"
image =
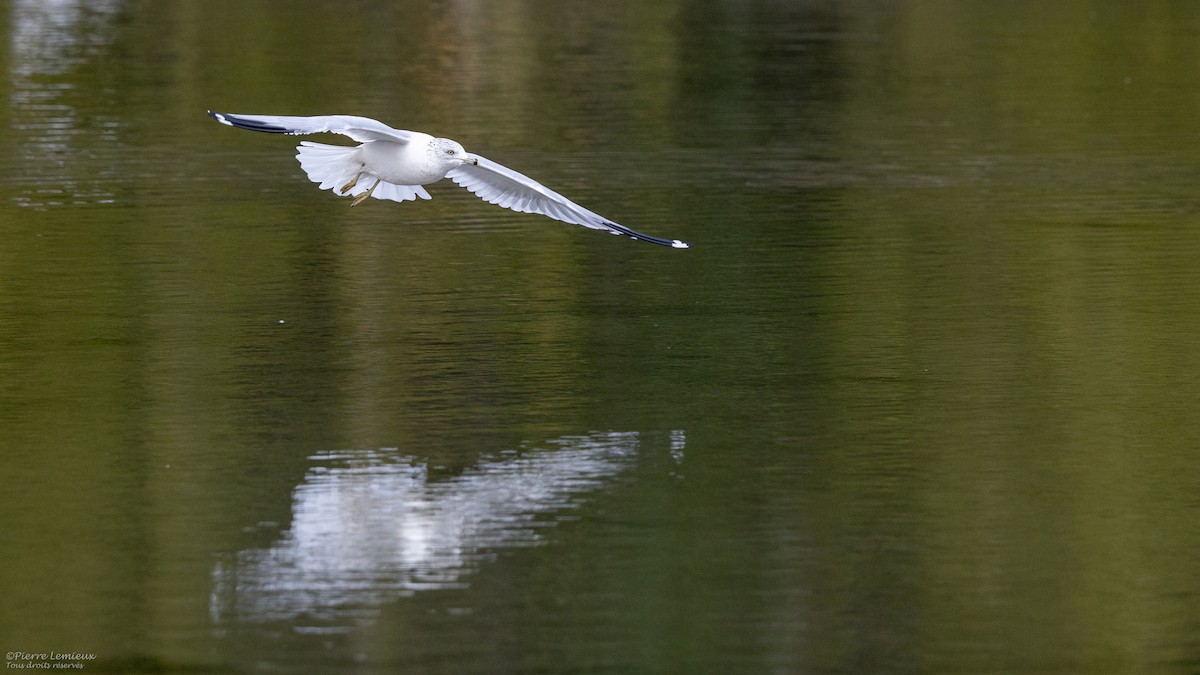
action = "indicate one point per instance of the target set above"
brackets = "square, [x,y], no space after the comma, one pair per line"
[368,527]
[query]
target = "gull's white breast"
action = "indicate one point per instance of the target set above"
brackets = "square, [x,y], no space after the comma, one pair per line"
[408,163]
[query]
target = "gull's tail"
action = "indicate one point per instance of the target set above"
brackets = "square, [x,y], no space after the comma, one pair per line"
[335,166]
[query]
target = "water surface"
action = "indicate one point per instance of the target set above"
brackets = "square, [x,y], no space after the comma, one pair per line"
[920,398]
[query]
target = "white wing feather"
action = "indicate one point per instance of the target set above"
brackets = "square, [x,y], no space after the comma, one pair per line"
[361,129]
[497,184]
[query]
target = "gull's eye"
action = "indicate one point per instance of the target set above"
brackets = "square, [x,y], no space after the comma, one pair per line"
[449,151]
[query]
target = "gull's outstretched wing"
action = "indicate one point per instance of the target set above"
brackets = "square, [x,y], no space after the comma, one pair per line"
[500,185]
[361,129]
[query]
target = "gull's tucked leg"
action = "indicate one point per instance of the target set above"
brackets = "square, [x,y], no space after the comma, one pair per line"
[353,181]
[358,199]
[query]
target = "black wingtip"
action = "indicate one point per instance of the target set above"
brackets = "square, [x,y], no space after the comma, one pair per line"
[634,234]
[248,124]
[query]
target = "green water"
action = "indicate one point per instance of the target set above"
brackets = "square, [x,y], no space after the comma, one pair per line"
[921,397]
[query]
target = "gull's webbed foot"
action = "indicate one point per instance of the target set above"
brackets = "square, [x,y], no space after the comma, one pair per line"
[353,181]
[358,200]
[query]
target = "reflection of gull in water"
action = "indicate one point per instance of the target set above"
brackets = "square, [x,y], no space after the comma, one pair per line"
[369,527]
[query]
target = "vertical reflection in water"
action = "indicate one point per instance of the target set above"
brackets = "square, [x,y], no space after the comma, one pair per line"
[51,39]
[369,527]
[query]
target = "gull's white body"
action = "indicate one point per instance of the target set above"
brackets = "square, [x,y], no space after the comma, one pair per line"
[403,163]
[394,164]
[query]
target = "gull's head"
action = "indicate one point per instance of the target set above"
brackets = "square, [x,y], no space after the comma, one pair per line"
[451,152]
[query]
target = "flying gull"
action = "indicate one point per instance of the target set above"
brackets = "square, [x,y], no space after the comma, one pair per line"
[394,164]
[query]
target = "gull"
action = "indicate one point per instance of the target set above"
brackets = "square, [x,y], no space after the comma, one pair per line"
[397,163]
